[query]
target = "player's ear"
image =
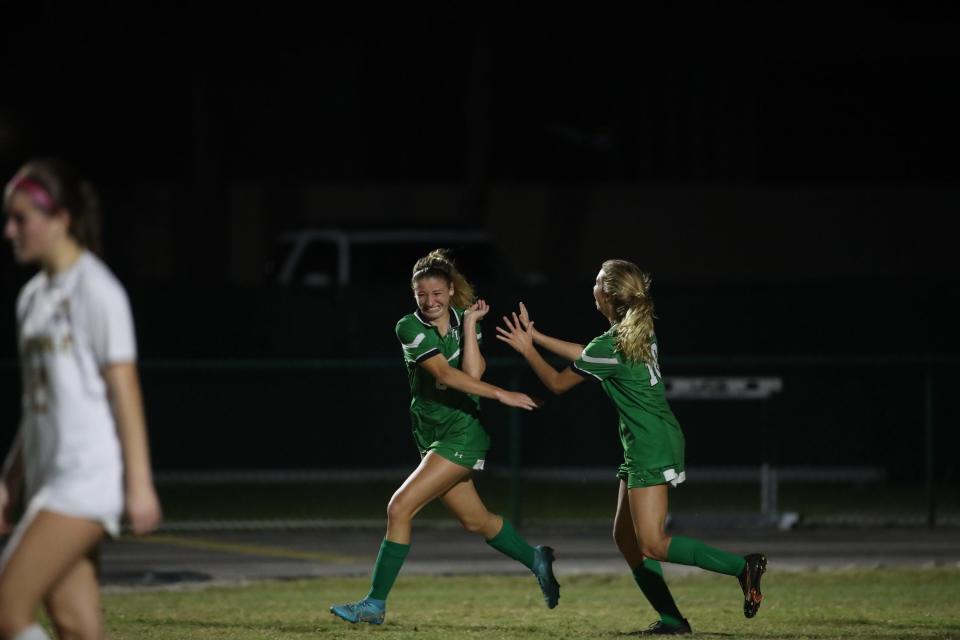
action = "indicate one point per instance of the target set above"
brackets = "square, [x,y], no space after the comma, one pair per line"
[62,217]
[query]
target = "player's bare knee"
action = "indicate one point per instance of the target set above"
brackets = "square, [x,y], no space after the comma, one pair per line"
[655,548]
[475,525]
[471,526]
[75,623]
[397,511]
[652,552]
[78,629]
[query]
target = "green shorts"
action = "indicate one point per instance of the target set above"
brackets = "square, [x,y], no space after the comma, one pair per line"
[463,442]
[653,452]
[636,477]
[469,459]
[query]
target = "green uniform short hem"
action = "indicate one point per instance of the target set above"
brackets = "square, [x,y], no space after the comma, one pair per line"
[637,478]
[469,459]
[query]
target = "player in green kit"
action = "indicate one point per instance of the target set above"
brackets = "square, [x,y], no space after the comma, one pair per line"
[441,348]
[624,361]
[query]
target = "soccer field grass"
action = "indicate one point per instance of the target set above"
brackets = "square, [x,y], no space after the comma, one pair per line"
[845,604]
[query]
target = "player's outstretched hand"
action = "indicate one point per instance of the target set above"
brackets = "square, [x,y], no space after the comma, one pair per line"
[524,316]
[143,509]
[477,310]
[517,336]
[518,400]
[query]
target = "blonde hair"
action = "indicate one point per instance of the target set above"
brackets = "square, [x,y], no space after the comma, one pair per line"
[629,290]
[439,264]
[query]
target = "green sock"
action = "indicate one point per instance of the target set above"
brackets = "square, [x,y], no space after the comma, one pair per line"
[649,577]
[694,553]
[385,571]
[511,544]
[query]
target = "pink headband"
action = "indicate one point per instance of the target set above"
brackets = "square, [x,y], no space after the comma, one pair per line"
[37,192]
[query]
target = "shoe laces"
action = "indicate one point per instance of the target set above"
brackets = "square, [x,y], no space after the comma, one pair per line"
[359,606]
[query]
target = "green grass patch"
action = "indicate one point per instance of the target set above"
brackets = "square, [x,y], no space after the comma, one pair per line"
[817,605]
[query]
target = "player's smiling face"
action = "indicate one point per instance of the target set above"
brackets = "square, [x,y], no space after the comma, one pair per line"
[433,297]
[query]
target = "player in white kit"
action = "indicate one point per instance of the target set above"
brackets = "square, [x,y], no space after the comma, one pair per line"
[80,458]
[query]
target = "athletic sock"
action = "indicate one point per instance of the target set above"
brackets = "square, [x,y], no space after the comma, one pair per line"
[649,577]
[33,632]
[511,544]
[692,552]
[385,571]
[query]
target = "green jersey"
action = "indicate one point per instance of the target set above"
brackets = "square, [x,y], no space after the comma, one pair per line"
[652,441]
[442,418]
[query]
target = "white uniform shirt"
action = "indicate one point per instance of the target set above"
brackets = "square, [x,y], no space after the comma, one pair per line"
[71,326]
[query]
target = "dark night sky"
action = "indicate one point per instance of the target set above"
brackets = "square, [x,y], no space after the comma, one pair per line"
[739,92]
[761,140]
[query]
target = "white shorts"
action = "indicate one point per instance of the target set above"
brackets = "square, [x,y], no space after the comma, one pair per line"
[105,509]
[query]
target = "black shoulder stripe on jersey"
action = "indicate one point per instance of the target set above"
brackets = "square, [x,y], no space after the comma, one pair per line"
[421,318]
[427,354]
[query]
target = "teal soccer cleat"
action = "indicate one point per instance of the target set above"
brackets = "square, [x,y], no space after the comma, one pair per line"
[543,569]
[366,610]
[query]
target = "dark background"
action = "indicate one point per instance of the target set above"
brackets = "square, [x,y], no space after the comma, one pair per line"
[787,172]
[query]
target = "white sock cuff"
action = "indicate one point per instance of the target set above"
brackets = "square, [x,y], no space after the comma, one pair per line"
[33,632]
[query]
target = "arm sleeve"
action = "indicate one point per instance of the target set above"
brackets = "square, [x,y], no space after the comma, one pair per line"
[110,324]
[598,360]
[418,342]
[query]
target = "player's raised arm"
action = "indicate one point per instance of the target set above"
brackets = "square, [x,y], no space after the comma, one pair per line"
[473,363]
[521,340]
[566,350]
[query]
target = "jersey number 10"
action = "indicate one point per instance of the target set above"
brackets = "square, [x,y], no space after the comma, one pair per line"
[654,367]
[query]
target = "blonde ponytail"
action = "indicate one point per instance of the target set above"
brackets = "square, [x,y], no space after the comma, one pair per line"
[629,290]
[439,264]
